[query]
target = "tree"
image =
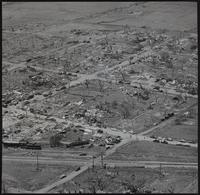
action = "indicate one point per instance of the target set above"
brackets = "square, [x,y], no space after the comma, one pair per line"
[91,184]
[106,39]
[114,104]
[87,83]
[169,63]
[130,61]
[133,185]
[100,183]
[171,189]
[55,140]
[125,110]
[164,56]
[66,65]
[126,29]
[122,75]
[101,86]
[4,190]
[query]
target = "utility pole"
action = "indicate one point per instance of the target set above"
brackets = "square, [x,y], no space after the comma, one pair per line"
[37,167]
[160,170]
[93,162]
[102,159]
[26,111]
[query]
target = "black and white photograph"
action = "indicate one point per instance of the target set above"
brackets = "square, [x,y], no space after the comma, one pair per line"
[99,97]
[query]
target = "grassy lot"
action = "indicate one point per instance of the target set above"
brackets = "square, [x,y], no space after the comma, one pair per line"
[111,180]
[177,132]
[144,150]
[24,176]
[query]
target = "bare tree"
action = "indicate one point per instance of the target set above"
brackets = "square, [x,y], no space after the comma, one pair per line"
[133,185]
[101,86]
[100,183]
[125,110]
[66,66]
[126,29]
[122,75]
[55,140]
[87,84]
[171,189]
[106,39]
[91,183]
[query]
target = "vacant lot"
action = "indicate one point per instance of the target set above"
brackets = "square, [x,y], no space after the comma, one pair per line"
[25,176]
[177,132]
[144,150]
[115,180]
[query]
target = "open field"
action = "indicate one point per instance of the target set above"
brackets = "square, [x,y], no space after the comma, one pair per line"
[178,132]
[143,150]
[25,176]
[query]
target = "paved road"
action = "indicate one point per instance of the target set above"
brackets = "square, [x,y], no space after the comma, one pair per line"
[116,132]
[45,160]
[108,162]
[83,168]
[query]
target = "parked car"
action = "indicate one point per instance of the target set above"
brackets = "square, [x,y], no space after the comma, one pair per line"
[191,142]
[5,136]
[83,154]
[119,137]
[164,142]
[20,116]
[156,88]
[45,94]
[156,140]
[182,140]
[51,119]
[100,131]
[153,136]
[167,117]
[102,144]
[4,105]
[169,139]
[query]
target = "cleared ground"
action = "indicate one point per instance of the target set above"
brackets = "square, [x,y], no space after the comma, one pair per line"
[177,132]
[21,175]
[144,150]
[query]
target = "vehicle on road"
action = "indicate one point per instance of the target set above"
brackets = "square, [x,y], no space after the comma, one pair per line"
[79,168]
[62,176]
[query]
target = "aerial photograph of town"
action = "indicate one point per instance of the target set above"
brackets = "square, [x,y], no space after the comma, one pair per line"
[99,97]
